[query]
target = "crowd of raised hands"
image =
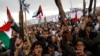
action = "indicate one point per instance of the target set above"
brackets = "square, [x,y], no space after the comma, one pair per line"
[52,39]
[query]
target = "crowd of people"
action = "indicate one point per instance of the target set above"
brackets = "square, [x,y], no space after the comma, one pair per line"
[51,39]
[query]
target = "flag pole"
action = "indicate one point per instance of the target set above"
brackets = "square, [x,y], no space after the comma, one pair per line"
[21,32]
[71,7]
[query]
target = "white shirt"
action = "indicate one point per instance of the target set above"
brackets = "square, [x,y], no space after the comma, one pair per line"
[97,26]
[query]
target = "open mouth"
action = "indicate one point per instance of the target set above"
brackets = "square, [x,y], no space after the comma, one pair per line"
[39,52]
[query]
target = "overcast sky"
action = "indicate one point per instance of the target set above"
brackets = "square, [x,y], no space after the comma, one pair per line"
[49,7]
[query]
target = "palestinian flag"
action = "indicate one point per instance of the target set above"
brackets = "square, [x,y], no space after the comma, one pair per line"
[40,11]
[76,18]
[5,31]
[5,34]
[5,38]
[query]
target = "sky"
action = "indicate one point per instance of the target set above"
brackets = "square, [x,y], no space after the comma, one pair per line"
[48,6]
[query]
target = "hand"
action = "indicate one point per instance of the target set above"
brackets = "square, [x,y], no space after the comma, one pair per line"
[86,19]
[60,50]
[57,35]
[18,43]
